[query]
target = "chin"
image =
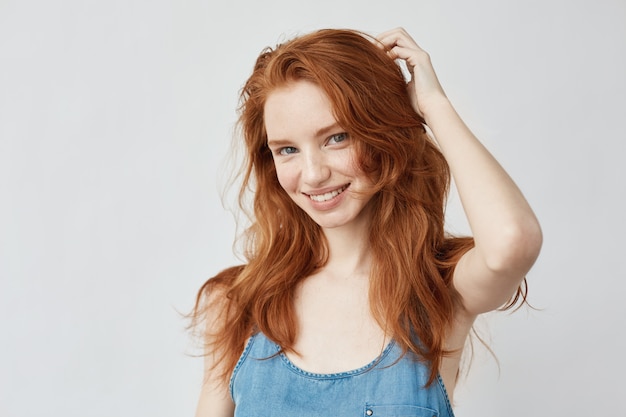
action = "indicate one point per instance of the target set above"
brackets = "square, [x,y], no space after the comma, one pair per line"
[337,223]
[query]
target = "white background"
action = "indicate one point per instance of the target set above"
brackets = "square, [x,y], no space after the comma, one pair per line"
[116,117]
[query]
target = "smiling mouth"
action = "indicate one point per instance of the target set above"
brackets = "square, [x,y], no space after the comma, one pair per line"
[320,198]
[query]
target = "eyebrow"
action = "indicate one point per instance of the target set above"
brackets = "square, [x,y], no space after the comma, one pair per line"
[320,132]
[326,130]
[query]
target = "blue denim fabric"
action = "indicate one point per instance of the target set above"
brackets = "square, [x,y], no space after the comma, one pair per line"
[265,383]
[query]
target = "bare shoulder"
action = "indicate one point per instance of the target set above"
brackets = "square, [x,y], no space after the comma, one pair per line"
[214,401]
[212,313]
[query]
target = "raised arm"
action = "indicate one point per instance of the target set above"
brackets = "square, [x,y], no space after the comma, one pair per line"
[506,232]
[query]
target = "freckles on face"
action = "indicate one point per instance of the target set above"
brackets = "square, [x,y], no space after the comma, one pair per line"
[287,176]
[313,155]
[303,134]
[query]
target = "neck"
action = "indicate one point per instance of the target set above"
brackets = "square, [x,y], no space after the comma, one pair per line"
[349,251]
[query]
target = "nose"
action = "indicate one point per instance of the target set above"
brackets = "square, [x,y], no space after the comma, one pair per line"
[316,169]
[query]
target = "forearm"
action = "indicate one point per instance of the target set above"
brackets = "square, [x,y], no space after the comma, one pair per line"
[504,226]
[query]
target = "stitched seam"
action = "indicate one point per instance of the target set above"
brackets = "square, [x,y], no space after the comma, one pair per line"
[442,387]
[339,375]
[240,362]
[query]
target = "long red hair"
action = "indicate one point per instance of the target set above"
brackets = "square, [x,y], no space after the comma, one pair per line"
[411,292]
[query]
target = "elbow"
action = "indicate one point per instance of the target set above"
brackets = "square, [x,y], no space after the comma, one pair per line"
[516,249]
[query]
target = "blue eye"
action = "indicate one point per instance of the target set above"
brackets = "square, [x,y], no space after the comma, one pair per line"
[338,138]
[287,150]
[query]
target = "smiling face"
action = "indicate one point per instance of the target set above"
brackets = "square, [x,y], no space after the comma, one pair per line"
[314,156]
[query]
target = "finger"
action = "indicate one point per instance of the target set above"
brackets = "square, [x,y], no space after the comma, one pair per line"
[393,33]
[397,37]
[411,56]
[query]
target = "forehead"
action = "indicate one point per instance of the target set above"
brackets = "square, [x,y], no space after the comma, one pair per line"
[296,109]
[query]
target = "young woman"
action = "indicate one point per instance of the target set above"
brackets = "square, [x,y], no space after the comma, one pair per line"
[353,300]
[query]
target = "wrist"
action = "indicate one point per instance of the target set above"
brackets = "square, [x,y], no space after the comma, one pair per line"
[436,106]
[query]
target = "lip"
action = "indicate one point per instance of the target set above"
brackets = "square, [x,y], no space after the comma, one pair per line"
[326,190]
[332,202]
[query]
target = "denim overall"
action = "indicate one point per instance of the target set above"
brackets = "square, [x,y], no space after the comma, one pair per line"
[266,383]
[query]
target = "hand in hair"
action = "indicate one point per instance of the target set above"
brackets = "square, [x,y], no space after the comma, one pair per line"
[424,87]
[507,235]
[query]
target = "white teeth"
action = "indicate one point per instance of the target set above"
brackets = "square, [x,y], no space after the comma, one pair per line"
[325,197]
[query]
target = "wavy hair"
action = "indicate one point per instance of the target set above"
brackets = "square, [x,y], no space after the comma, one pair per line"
[411,292]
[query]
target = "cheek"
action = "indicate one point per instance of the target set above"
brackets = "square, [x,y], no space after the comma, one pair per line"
[350,161]
[287,177]
[351,166]
[365,169]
